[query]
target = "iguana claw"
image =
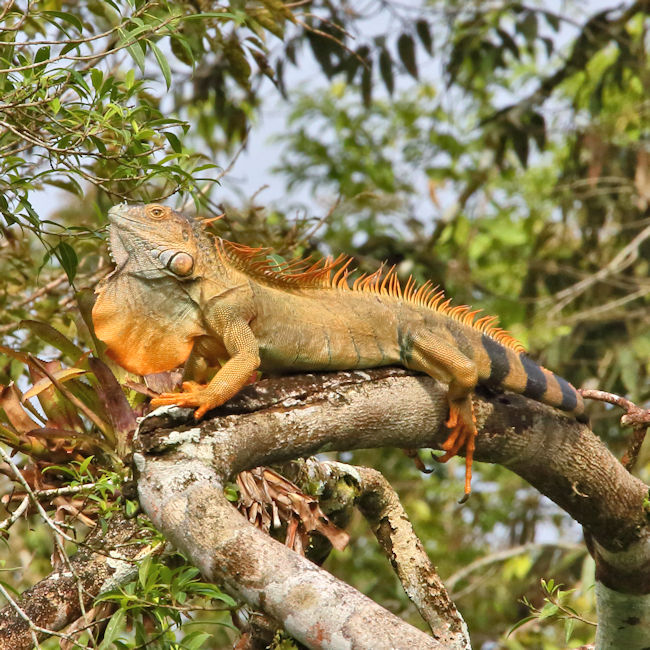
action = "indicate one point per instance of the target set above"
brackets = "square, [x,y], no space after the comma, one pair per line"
[462,434]
[193,395]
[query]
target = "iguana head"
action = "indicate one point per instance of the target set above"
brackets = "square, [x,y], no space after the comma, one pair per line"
[146,310]
[155,239]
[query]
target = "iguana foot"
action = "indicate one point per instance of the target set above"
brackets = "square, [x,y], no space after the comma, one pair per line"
[463,434]
[193,395]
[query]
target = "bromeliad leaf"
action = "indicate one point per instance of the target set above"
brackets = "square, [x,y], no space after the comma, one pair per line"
[62,375]
[56,339]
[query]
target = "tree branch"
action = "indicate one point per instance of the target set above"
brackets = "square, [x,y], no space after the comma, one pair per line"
[183,466]
[380,505]
[106,560]
[184,498]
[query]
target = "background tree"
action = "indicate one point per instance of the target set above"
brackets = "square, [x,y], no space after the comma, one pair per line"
[498,149]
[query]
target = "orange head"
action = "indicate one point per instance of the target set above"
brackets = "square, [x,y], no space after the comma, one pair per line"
[147,310]
[161,241]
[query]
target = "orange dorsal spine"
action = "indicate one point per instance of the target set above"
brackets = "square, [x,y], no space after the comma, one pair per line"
[330,273]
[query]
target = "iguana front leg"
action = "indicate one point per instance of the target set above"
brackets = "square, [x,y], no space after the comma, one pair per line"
[241,346]
[444,361]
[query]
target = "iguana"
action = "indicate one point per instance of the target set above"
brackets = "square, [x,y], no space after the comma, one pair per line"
[177,295]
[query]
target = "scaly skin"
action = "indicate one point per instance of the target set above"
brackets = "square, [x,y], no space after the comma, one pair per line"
[177,296]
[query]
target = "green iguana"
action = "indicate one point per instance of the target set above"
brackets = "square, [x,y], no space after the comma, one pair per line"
[179,296]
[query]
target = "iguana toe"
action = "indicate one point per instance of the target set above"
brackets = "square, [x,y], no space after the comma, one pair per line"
[193,395]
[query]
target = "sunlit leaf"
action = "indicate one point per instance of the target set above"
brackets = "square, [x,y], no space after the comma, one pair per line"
[62,375]
[10,402]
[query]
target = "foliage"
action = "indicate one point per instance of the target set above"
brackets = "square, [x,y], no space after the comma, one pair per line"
[499,149]
[155,604]
[536,210]
[556,606]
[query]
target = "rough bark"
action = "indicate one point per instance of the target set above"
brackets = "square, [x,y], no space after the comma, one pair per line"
[104,562]
[183,466]
[184,498]
[381,506]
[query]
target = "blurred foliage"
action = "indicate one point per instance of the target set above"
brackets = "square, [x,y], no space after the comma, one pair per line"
[500,149]
[155,604]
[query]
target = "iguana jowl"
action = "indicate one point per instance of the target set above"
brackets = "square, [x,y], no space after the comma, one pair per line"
[177,295]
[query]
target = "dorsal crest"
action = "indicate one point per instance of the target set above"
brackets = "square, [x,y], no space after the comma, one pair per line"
[333,273]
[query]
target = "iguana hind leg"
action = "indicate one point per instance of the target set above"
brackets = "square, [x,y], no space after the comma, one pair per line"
[442,360]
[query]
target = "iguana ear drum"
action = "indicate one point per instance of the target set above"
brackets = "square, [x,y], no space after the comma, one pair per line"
[181,264]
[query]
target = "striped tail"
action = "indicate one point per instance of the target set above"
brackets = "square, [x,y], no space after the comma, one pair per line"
[517,372]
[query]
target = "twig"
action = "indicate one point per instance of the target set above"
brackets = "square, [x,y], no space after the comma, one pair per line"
[506,554]
[626,256]
[15,515]
[596,313]
[226,170]
[635,416]
[33,628]
[318,224]
[21,479]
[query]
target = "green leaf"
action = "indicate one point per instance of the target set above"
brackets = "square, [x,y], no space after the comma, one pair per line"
[569,624]
[520,144]
[163,63]
[518,624]
[386,70]
[424,33]
[366,84]
[83,467]
[96,77]
[212,591]
[113,630]
[66,18]
[196,640]
[174,142]
[231,492]
[43,54]
[144,571]
[131,507]
[67,258]
[137,54]
[406,49]
[53,337]
[222,15]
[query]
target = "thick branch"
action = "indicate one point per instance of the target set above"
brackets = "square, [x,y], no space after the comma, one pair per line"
[380,505]
[281,419]
[184,498]
[184,464]
[53,603]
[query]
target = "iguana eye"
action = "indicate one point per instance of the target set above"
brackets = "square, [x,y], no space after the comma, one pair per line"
[156,211]
[181,264]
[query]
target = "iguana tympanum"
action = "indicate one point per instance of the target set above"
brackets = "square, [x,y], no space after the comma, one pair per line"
[179,296]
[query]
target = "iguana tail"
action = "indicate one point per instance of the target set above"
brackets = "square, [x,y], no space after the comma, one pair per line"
[515,371]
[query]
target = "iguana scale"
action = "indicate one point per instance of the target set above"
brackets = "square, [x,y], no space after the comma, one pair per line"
[179,296]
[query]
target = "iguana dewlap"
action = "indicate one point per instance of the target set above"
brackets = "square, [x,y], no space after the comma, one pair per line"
[178,296]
